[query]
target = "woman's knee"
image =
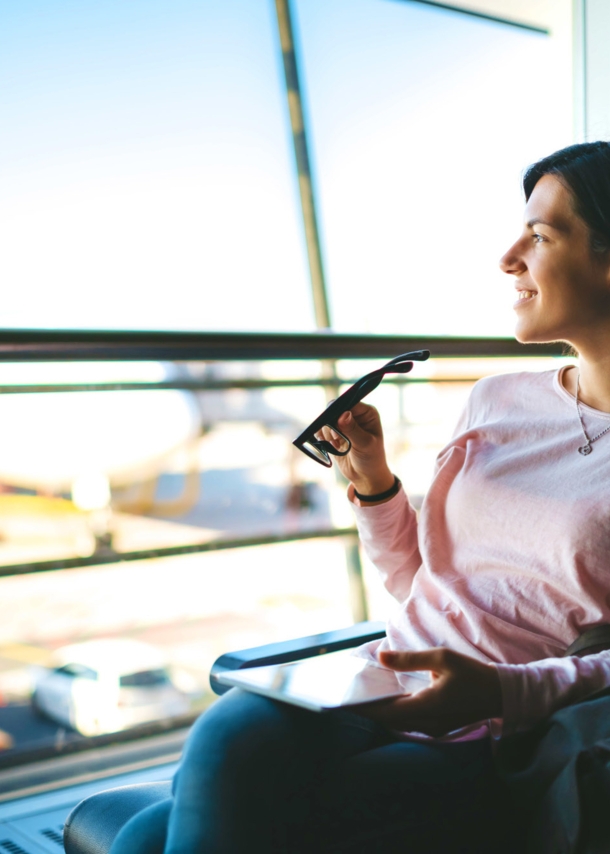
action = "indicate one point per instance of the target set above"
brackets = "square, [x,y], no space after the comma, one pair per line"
[239,729]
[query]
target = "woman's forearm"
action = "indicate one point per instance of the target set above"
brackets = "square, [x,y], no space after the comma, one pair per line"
[388,532]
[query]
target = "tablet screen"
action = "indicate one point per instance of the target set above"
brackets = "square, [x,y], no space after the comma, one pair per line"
[328,681]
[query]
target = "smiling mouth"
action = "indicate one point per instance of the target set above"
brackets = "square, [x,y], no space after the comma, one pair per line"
[526,295]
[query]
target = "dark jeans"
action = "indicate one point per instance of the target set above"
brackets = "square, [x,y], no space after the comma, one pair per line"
[263,776]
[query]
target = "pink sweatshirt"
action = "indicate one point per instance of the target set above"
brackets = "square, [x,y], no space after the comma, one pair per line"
[510,559]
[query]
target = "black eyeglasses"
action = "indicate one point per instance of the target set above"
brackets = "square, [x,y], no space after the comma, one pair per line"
[319,449]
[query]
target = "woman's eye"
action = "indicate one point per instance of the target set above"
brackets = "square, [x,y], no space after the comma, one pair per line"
[537,238]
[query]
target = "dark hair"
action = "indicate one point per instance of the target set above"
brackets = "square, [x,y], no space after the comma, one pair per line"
[584,169]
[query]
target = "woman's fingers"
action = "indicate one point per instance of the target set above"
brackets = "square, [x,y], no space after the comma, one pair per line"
[365,465]
[361,430]
[358,436]
[414,712]
[329,435]
[436,660]
[463,691]
[362,416]
[426,711]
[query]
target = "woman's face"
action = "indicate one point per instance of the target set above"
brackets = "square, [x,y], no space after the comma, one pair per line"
[563,287]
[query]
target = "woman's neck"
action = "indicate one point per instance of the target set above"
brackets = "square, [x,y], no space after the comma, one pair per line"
[594,384]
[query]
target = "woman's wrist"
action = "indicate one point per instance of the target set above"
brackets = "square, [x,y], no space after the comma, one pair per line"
[374,485]
[370,498]
[379,496]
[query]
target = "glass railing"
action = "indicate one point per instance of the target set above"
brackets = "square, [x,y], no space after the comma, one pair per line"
[155,514]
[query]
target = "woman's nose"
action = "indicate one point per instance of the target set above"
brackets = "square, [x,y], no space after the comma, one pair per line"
[512,262]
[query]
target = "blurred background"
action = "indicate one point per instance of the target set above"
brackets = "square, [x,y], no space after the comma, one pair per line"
[245,169]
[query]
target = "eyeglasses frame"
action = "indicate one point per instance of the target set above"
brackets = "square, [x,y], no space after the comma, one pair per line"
[354,394]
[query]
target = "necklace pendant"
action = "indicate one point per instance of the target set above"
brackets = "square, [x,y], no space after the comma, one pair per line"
[585,450]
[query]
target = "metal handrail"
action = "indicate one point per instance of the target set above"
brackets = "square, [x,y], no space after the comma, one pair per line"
[24,345]
[215,385]
[61,345]
[109,556]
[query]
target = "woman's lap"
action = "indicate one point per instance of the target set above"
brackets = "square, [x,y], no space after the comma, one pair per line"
[257,775]
[257,761]
[412,798]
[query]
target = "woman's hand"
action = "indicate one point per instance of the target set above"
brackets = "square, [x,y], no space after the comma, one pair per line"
[463,691]
[365,466]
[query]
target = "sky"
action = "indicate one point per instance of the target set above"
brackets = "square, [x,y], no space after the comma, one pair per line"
[147,176]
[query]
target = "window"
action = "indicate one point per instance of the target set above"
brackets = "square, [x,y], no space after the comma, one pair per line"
[80,671]
[145,168]
[421,121]
[148,182]
[145,679]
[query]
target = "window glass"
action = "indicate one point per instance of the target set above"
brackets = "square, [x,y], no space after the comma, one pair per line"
[172,547]
[421,121]
[148,181]
[145,679]
[145,168]
[77,670]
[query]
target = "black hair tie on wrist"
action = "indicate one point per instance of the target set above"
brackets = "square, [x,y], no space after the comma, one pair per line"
[380,495]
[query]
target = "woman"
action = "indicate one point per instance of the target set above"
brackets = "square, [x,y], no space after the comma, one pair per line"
[506,566]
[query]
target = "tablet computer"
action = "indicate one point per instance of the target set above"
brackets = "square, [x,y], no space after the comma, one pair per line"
[324,682]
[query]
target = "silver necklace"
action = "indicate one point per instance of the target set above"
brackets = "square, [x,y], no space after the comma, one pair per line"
[586,449]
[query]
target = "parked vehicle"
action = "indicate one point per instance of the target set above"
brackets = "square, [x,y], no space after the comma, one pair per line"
[108,685]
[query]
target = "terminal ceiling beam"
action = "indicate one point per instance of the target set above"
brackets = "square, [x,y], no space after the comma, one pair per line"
[478,11]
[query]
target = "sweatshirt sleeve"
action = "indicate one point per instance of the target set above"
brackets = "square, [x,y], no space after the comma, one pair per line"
[388,533]
[531,692]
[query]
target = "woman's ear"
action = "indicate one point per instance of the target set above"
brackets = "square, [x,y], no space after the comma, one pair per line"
[604,257]
[601,252]
[599,245]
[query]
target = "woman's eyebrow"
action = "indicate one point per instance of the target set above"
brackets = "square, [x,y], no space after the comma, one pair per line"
[537,220]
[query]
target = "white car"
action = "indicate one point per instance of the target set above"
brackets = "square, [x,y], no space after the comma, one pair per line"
[108,685]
